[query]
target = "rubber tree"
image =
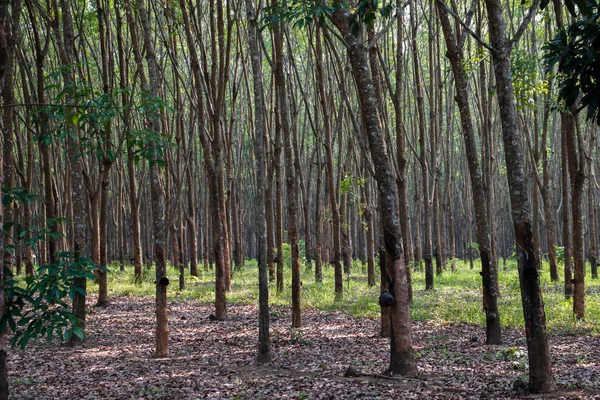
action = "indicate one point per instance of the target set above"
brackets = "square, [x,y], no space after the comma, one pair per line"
[157,190]
[490,295]
[540,365]
[10,12]
[401,358]
[264,343]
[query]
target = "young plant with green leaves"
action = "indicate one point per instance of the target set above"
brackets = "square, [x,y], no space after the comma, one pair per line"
[39,306]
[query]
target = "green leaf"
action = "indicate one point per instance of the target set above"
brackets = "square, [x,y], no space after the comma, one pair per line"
[11,323]
[78,331]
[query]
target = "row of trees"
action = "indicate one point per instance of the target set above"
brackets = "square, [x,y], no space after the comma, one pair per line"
[404,129]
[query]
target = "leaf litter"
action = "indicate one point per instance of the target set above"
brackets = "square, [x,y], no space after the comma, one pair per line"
[216,360]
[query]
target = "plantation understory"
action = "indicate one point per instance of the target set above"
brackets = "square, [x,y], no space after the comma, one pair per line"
[212,359]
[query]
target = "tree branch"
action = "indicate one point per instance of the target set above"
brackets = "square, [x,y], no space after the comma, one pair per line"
[466,27]
[524,23]
[386,27]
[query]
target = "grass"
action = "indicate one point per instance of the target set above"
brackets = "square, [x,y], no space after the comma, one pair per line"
[456,298]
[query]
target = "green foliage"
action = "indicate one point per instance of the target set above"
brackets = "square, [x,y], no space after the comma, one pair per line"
[297,337]
[351,185]
[301,13]
[576,51]
[83,113]
[16,194]
[37,306]
[513,355]
[586,6]
[526,80]
[560,253]
[147,144]
[78,111]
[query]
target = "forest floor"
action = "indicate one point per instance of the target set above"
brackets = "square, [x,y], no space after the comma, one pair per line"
[210,359]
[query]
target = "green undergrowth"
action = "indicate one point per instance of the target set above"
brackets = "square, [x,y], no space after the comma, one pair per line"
[456,298]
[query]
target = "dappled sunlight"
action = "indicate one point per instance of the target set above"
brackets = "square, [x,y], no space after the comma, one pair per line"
[216,359]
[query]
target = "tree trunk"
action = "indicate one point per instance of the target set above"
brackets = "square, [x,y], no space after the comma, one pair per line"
[330,173]
[269,217]
[577,175]
[427,245]
[157,193]
[8,37]
[368,215]
[385,327]
[318,215]
[401,155]
[566,210]
[4,388]
[401,350]
[260,139]
[290,175]
[78,194]
[540,371]
[549,212]
[134,203]
[593,252]
[490,295]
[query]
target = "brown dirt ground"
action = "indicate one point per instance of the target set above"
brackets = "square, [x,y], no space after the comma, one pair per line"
[216,359]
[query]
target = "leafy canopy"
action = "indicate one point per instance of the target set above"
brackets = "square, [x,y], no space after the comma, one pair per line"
[576,51]
[301,13]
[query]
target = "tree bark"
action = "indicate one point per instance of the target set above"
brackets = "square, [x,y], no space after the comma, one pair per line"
[78,194]
[290,175]
[157,193]
[540,371]
[427,245]
[134,204]
[401,350]
[490,295]
[260,138]
[9,34]
[577,174]
[335,215]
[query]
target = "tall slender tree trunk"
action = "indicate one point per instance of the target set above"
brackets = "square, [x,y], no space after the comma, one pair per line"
[10,13]
[490,295]
[401,350]
[4,388]
[260,139]
[401,154]
[567,232]
[78,193]
[385,325]
[318,214]
[427,245]
[577,174]
[191,218]
[157,193]
[549,212]
[368,215]
[134,203]
[105,163]
[330,173]
[540,365]
[278,204]
[290,175]
[593,251]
